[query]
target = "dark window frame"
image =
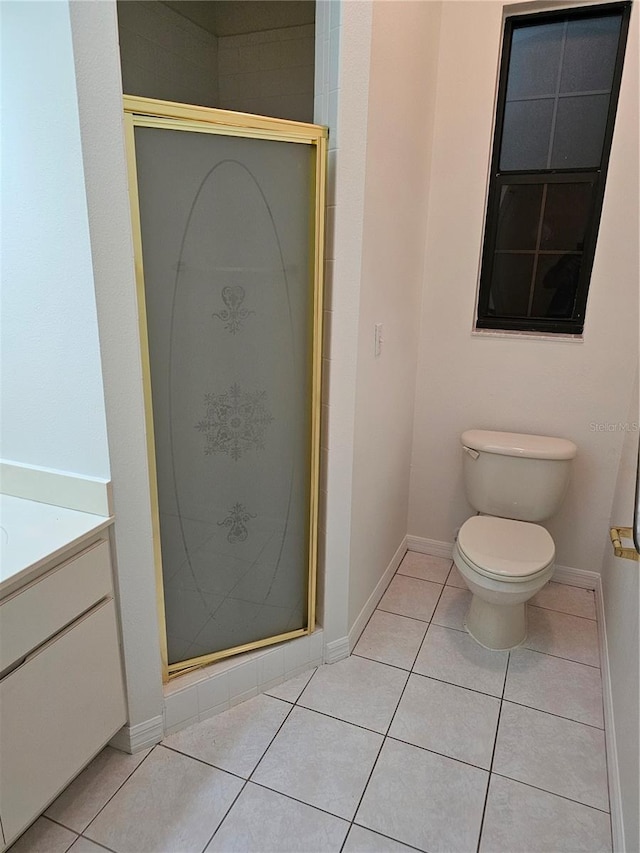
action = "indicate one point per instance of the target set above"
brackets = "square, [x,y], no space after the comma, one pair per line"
[596,176]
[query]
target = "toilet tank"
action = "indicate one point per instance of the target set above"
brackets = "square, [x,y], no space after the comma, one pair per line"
[513,475]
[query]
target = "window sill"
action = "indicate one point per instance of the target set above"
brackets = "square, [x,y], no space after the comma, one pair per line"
[537,336]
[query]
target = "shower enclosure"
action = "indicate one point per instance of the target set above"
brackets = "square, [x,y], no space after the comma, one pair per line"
[228,230]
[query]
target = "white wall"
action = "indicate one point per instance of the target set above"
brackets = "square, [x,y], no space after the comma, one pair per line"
[268,73]
[404,56]
[51,391]
[342,84]
[517,384]
[95,41]
[375,87]
[166,56]
[621,595]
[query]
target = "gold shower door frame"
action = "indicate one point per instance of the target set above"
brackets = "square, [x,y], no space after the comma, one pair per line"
[149,112]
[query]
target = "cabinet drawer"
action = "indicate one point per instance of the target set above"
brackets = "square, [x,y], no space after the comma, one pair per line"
[57,710]
[37,612]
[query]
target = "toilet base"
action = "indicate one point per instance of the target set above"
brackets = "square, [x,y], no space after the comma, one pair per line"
[497,626]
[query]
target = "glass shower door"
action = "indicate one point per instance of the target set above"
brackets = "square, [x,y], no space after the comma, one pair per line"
[230,225]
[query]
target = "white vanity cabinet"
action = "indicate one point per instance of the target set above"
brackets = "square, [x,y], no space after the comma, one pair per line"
[61,686]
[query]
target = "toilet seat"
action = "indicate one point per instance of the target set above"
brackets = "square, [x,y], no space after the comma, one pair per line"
[504,549]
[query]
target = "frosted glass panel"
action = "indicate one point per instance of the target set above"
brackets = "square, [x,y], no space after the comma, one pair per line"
[226,245]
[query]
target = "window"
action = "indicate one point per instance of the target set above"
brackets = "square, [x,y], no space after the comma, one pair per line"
[557,97]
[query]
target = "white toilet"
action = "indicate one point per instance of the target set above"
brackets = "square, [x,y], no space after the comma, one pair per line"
[512,480]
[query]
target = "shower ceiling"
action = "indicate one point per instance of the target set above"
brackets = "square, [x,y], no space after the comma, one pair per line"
[233,17]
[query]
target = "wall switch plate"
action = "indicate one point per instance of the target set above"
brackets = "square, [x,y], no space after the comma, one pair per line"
[377,339]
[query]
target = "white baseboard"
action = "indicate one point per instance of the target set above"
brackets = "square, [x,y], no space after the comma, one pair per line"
[372,602]
[613,771]
[44,485]
[576,577]
[141,736]
[336,650]
[430,546]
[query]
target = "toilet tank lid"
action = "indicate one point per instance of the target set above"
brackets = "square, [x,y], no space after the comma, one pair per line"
[519,444]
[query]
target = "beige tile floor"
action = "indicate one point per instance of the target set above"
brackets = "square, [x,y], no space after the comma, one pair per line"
[421,740]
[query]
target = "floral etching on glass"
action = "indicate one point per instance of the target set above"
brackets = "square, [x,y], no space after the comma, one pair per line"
[236,521]
[234,314]
[234,422]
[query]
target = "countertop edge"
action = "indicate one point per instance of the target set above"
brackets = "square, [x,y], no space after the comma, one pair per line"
[33,571]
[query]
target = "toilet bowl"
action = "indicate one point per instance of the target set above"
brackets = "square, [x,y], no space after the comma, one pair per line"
[513,480]
[504,563]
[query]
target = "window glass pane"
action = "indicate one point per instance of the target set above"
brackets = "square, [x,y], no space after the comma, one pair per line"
[526,134]
[556,284]
[510,284]
[579,132]
[519,216]
[535,60]
[566,214]
[590,54]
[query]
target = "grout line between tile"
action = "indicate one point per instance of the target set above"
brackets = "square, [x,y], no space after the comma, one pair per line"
[289,712]
[375,660]
[375,610]
[286,702]
[305,687]
[435,752]
[553,793]
[289,701]
[341,720]
[450,627]
[455,684]
[52,820]
[66,850]
[224,817]
[116,791]
[557,716]
[401,616]
[572,585]
[417,578]
[97,843]
[364,790]
[296,800]
[203,761]
[427,631]
[563,612]
[246,781]
[449,572]
[386,733]
[414,578]
[393,613]
[382,835]
[561,657]
[493,753]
